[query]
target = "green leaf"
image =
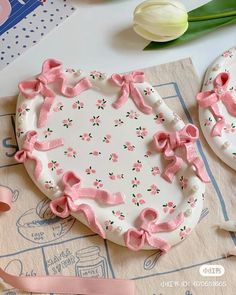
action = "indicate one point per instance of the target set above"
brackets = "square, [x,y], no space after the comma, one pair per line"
[195,30]
[213,9]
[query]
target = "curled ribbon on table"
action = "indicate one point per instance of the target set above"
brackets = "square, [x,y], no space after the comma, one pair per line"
[136,239]
[5,199]
[30,144]
[51,72]
[69,285]
[209,99]
[168,142]
[62,206]
[128,89]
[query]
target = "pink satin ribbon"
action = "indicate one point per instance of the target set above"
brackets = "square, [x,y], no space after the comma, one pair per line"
[209,99]
[128,89]
[69,285]
[5,199]
[51,72]
[30,144]
[62,206]
[168,142]
[136,239]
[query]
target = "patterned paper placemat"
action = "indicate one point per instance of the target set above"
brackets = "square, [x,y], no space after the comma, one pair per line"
[33,242]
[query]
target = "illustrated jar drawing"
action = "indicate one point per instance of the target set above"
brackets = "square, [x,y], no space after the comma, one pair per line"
[91,263]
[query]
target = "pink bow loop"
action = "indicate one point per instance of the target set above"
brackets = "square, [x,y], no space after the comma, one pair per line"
[136,239]
[168,142]
[209,99]
[73,191]
[51,72]
[128,89]
[30,144]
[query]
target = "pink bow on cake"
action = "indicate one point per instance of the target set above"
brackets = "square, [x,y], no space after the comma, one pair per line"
[128,89]
[30,144]
[136,239]
[168,142]
[73,192]
[209,99]
[51,72]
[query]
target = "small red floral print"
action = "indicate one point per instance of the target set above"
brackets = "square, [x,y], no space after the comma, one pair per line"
[48,185]
[78,105]
[113,157]
[227,53]
[112,176]
[169,207]
[120,176]
[59,171]
[155,171]
[96,75]
[137,166]
[109,225]
[232,89]
[107,138]
[118,122]
[138,200]
[192,201]
[90,170]
[153,189]
[71,71]
[230,128]
[159,118]
[53,165]
[98,183]
[148,91]
[120,215]
[19,132]
[47,132]
[208,82]
[141,132]
[148,154]
[132,115]
[183,182]
[208,122]
[184,232]
[101,104]
[234,156]
[129,146]
[135,182]
[95,120]
[59,107]
[95,153]
[23,110]
[67,122]
[70,153]
[86,136]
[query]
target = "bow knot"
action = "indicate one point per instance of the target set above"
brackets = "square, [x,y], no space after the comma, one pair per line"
[73,191]
[128,89]
[210,98]
[136,239]
[168,142]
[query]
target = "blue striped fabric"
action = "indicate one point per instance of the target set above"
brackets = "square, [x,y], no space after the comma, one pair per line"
[20,9]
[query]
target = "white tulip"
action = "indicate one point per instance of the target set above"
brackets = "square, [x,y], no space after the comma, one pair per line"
[160,20]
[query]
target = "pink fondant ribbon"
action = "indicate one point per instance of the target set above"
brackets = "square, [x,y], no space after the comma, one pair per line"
[69,285]
[5,199]
[51,72]
[30,144]
[127,84]
[209,99]
[136,239]
[62,206]
[168,142]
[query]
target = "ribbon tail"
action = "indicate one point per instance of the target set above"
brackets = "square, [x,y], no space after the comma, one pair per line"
[91,219]
[102,196]
[38,166]
[81,86]
[194,160]
[169,225]
[220,121]
[230,103]
[49,144]
[173,167]
[134,239]
[69,285]
[139,101]
[158,243]
[44,111]
[123,97]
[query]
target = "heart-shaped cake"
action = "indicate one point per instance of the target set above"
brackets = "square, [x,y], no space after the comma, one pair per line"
[110,152]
